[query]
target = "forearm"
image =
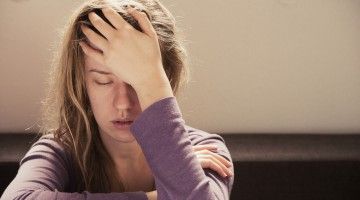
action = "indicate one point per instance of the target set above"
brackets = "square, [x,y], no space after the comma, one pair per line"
[153,90]
[161,133]
[31,194]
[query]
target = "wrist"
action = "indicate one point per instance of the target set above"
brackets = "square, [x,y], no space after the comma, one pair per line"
[153,91]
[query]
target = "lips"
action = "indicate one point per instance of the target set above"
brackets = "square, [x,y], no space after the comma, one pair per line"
[123,122]
[119,124]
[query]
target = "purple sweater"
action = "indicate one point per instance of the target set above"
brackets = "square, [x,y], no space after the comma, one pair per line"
[46,171]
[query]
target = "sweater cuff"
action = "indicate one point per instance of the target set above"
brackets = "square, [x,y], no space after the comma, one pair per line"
[155,116]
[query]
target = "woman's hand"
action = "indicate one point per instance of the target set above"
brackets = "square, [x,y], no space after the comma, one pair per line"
[209,159]
[131,55]
[152,195]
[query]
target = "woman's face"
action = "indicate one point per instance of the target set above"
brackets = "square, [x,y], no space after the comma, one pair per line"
[112,100]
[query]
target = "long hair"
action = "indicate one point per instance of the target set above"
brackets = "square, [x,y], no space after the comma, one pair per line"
[66,111]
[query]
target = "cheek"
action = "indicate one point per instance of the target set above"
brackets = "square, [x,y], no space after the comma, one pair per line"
[98,101]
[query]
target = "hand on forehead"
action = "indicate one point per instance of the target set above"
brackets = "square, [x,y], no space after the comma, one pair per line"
[91,62]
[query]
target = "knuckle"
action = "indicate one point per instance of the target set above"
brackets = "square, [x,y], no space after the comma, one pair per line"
[117,35]
[124,32]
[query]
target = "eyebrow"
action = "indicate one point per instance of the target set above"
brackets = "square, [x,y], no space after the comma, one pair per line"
[99,71]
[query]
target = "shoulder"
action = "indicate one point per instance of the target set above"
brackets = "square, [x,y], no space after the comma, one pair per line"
[46,165]
[197,135]
[47,147]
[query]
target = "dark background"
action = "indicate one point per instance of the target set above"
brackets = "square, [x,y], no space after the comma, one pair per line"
[267,166]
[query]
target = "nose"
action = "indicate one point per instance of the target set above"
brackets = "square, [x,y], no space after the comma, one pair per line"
[123,97]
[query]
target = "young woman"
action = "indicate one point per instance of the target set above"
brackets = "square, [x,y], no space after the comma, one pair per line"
[112,126]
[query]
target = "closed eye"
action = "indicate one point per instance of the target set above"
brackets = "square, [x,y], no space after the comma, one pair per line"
[99,83]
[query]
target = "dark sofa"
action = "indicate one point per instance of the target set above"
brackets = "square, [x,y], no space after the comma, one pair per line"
[267,166]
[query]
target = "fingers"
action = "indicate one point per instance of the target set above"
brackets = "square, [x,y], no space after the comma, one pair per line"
[205,147]
[103,27]
[94,38]
[212,160]
[91,52]
[143,21]
[118,22]
[115,18]
[221,161]
[212,163]
[207,163]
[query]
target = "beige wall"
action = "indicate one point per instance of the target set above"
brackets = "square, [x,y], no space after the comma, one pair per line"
[258,66]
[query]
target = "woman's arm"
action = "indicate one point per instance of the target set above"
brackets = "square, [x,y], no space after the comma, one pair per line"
[46,173]
[161,132]
[212,154]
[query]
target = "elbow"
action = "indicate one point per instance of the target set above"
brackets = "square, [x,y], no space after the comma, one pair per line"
[219,191]
[219,196]
[214,191]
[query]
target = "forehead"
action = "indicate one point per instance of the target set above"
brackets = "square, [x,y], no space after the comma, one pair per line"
[91,63]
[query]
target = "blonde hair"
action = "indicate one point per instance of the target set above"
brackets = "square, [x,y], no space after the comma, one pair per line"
[66,108]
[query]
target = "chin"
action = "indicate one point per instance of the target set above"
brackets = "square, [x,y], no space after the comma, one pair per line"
[122,135]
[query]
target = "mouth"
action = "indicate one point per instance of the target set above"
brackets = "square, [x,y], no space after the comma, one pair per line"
[122,124]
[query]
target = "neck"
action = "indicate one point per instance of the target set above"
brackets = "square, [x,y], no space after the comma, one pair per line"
[130,164]
[124,154]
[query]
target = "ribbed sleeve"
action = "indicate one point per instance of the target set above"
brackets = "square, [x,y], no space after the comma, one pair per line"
[162,134]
